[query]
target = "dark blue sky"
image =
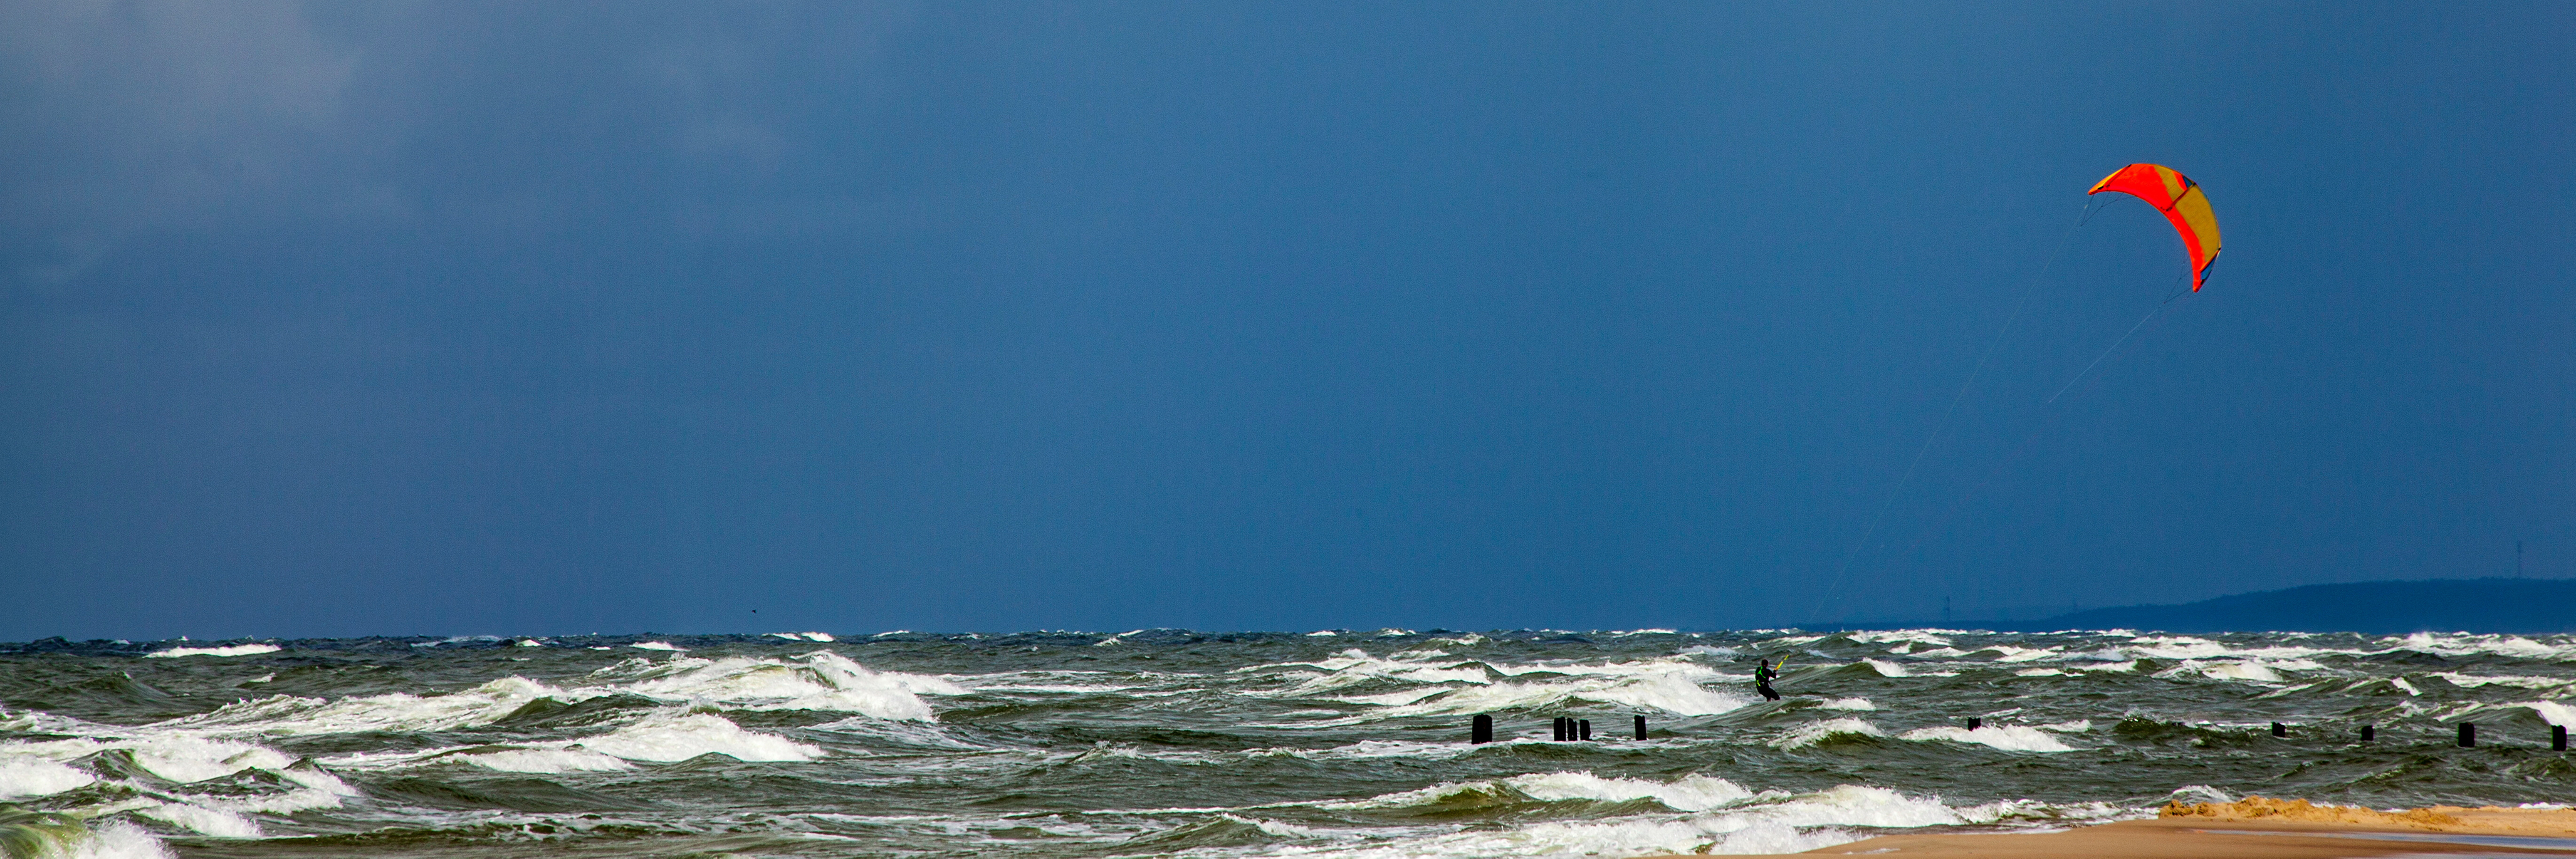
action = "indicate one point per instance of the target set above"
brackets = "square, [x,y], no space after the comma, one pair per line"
[452,318]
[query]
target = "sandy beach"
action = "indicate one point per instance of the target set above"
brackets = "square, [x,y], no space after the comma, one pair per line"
[2260,828]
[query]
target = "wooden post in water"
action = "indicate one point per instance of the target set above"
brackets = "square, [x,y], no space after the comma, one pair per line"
[2368,733]
[1482,730]
[1641,731]
[2280,730]
[1975,723]
[2468,735]
[1584,726]
[2557,738]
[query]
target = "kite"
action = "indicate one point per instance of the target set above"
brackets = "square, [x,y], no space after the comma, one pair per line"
[2182,202]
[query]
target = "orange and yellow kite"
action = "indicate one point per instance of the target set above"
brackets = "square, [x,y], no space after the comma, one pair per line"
[2182,202]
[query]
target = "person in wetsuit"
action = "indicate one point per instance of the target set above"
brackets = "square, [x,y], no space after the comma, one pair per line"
[1762,681]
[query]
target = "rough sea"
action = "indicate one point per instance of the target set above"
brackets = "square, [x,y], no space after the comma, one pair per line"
[1178,743]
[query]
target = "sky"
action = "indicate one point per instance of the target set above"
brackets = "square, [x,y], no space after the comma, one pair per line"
[523,319]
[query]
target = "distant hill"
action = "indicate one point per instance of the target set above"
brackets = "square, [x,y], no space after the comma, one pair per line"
[2527,606]
[2386,608]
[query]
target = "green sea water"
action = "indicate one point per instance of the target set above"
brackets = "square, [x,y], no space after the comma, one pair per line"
[1178,743]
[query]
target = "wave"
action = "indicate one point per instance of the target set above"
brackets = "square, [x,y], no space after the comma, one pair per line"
[24,775]
[1446,688]
[1689,793]
[1671,693]
[2467,644]
[234,650]
[2553,712]
[1934,637]
[2524,681]
[663,736]
[44,835]
[1714,816]
[821,680]
[289,715]
[2014,738]
[1813,733]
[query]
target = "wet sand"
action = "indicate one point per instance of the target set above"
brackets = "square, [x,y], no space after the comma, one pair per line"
[2259,828]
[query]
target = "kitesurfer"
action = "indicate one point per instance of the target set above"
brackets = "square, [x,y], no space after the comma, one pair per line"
[1762,680]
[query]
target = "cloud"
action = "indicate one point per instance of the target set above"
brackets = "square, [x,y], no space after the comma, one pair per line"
[142,111]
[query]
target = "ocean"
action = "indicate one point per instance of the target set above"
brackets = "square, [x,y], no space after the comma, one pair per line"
[1178,743]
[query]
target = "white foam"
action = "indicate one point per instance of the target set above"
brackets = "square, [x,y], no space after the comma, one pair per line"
[1355,667]
[530,642]
[1935,637]
[2017,654]
[2194,794]
[2249,671]
[1714,816]
[546,761]
[204,821]
[1885,669]
[287,715]
[36,768]
[2400,682]
[2176,647]
[1671,693]
[1847,704]
[2552,712]
[1670,684]
[821,680]
[2014,738]
[29,775]
[114,840]
[1322,633]
[2464,644]
[1393,699]
[1621,837]
[662,736]
[454,639]
[186,758]
[656,645]
[669,738]
[807,636]
[1816,732]
[2524,681]
[1690,793]
[235,650]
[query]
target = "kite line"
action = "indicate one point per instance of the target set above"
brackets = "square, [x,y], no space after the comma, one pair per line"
[2115,344]
[1833,591]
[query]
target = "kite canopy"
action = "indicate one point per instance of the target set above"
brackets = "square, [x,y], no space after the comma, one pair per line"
[2182,202]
